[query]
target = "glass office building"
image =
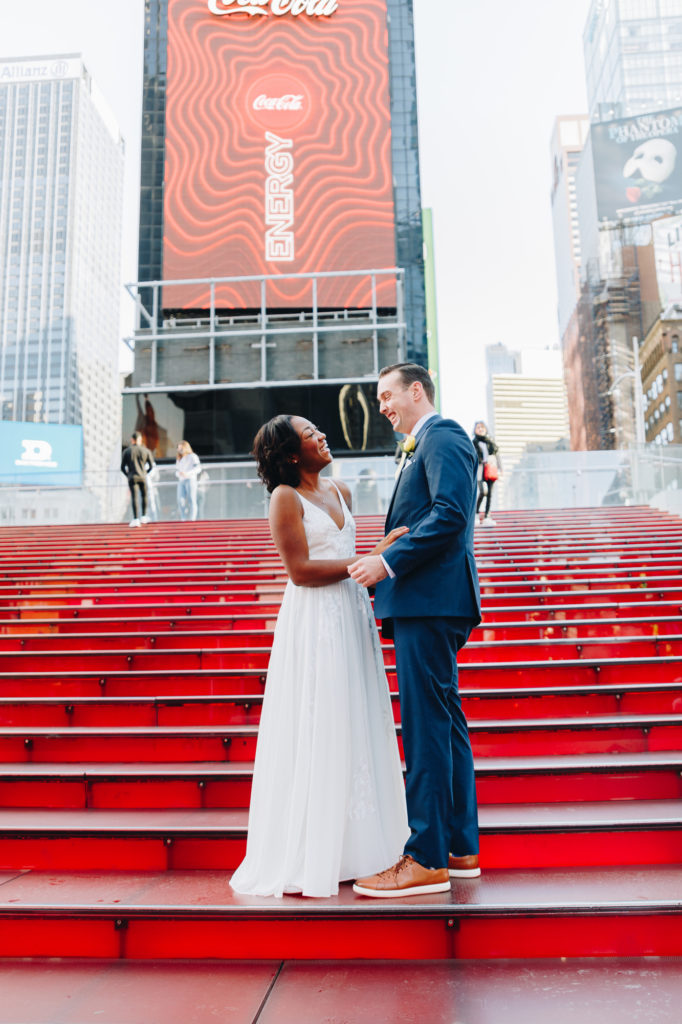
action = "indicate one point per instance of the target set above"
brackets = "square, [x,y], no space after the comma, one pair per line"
[633,57]
[246,309]
[61,194]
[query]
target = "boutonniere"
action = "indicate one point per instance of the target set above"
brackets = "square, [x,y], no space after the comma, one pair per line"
[407,447]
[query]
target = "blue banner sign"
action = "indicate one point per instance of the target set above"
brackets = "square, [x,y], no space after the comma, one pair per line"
[41,453]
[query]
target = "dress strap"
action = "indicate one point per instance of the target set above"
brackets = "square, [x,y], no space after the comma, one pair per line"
[344,503]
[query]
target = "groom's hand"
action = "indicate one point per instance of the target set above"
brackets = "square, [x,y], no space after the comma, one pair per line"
[368,570]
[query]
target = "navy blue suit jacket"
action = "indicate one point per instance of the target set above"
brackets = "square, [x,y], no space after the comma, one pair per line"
[435,496]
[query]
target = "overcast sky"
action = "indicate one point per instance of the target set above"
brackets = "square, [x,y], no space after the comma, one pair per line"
[491,78]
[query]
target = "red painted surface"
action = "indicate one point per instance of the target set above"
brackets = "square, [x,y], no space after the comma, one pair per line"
[570,936]
[303,939]
[557,787]
[74,853]
[554,849]
[28,936]
[85,613]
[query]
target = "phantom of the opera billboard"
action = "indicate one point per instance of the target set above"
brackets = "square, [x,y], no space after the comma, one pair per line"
[278,150]
[637,163]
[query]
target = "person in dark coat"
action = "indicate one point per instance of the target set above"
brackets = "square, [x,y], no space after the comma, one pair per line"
[427,593]
[137,461]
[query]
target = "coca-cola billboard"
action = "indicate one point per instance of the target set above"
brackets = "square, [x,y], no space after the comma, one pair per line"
[312,8]
[278,149]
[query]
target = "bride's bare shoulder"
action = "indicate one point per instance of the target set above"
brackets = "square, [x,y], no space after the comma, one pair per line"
[284,499]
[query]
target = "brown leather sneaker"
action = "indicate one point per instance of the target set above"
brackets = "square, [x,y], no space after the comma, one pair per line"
[464,867]
[406,878]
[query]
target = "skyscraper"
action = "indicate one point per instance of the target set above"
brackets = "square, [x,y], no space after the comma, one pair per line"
[498,359]
[530,409]
[61,173]
[633,57]
[281,258]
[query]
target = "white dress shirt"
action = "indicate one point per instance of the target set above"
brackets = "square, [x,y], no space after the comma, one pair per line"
[414,432]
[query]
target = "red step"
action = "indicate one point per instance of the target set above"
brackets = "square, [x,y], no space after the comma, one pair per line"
[645,775]
[512,836]
[509,914]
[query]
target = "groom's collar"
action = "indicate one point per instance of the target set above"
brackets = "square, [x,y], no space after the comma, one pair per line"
[420,423]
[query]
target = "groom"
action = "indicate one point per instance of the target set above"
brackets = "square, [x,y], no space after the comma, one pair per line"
[427,584]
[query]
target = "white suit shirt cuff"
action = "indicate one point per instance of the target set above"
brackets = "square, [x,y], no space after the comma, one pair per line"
[387,567]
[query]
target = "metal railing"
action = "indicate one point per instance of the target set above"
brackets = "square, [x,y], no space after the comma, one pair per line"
[229,490]
[264,330]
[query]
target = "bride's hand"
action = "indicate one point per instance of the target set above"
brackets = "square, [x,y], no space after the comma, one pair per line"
[389,539]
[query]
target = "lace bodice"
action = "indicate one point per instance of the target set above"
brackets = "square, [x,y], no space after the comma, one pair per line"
[325,540]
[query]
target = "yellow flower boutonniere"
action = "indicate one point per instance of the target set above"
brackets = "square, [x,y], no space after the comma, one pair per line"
[407,447]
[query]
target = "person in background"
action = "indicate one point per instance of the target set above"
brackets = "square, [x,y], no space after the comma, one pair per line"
[488,471]
[187,469]
[153,503]
[203,486]
[137,461]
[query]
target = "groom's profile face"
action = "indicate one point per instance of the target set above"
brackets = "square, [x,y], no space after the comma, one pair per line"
[398,402]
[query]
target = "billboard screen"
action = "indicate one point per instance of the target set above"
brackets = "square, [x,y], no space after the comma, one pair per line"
[637,163]
[41,453]
[278,149]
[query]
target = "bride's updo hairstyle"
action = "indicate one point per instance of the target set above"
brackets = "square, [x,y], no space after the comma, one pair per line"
[274,447]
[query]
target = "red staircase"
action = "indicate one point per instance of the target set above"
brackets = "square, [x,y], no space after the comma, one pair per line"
[132,671]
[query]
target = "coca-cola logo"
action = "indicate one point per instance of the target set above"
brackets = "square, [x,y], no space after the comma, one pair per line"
[278,101]
[311,8]
[288,102]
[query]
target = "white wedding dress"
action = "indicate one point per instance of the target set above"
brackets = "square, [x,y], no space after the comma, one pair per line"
[328,801]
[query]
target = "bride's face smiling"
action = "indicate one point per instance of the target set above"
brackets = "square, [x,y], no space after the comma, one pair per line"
[315,452]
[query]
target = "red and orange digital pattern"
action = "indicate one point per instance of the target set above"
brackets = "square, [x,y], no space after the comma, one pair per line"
[278,153]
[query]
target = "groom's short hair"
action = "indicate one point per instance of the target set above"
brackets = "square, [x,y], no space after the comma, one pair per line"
[409,373]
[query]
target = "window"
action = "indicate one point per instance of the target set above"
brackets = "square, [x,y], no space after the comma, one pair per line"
[678,371]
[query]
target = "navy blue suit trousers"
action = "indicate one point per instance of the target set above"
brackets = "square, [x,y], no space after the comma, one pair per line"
[440,788]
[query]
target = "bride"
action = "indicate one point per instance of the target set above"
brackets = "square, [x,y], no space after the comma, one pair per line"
[328,801]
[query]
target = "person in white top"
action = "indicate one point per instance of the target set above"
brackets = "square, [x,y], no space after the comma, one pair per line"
[187,468]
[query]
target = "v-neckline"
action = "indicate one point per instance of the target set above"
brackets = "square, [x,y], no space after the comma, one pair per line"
[342,504]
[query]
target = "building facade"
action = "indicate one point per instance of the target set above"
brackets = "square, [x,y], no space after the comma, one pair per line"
[279,267]
[661,358]
[530,410]
[633,57]
[61,202]
[568,140]
[626,178]
[498,360]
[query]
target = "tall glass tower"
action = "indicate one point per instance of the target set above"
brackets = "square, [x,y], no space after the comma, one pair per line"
[61,202]
[633,57]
